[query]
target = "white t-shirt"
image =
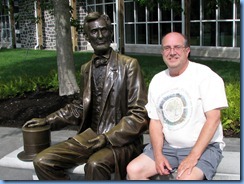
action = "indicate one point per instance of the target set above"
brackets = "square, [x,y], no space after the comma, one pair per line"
[180,103]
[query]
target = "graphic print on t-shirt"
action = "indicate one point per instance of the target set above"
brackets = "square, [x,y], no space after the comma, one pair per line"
[174,108]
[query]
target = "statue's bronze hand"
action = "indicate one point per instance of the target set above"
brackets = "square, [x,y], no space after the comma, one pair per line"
[35,122]
[99,141]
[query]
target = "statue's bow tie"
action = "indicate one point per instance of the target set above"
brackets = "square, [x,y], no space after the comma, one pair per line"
[100,62]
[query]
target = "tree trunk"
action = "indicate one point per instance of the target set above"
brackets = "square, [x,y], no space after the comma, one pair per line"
[12,22]
[65,60]
[121,26]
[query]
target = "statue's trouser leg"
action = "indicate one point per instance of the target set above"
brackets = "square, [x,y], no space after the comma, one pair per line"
[110,160]
[100,165]
[51,163]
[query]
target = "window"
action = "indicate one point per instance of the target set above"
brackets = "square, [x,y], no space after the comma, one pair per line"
[164,29]
[238,37]
[195,12]
[99,1]
[109,10]
[209,9]
[129,12]
[177,10]
[226,10]
[153,14]
[141,13]
[195,33]
[141,34]
[211,24]
[209,34]
[177,27]
[165,15]
[153,33]
[129,32]
[225,34]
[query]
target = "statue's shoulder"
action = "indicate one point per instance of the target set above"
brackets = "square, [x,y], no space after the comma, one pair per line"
[126,58]
[86,66]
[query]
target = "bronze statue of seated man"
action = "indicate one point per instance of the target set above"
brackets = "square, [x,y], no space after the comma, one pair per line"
[110,113]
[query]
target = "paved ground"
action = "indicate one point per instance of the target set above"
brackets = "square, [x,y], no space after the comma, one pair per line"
[11,139]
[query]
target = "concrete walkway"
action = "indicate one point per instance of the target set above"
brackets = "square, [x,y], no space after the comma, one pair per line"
[11,139]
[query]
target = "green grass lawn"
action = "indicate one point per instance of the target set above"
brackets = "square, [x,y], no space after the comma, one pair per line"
[25,70]
[19,63]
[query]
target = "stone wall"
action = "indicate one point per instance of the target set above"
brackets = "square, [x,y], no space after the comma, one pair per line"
[28,26]
[81,13]
[48,28]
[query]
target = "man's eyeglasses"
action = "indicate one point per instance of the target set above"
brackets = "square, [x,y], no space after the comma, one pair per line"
[176,48]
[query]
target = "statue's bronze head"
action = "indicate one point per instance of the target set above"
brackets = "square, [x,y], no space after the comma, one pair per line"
[98,31]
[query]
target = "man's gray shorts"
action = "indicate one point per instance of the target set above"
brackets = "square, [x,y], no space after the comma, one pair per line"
[208,162]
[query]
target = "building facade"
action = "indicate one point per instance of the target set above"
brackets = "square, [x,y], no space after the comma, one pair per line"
[214,32]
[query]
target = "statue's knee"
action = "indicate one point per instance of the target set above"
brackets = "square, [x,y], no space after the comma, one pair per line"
[38,160]
[92,164]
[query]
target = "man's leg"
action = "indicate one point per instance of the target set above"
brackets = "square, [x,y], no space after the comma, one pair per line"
[141,168]
[51,163]
[207,164]
[196,174]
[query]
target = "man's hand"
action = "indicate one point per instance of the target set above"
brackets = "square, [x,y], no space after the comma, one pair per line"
[99,141]
[35,122]
[162,165]
[187,165]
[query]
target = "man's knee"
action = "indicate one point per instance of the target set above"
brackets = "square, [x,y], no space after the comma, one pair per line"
[132,170]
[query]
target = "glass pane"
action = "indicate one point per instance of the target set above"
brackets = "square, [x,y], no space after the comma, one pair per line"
[153,14]
[129,33]
[153,33]
[225,34]
[238,10]
[90,9]
[99,9]
[129,12]
[177,10]
[195,12]
[141,15]
[107,1]
[209,10]
[177,27]
[164,29]
[90,2]
[113,38]
[195,34]
[238,35]
[226,10]
[209,35]
[99,1]
[109,11]
[141,34]
[165,15]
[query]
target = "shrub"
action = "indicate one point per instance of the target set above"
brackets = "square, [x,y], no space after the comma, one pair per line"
[231,115]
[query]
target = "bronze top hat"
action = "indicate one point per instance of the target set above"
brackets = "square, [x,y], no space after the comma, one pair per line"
[35,140]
